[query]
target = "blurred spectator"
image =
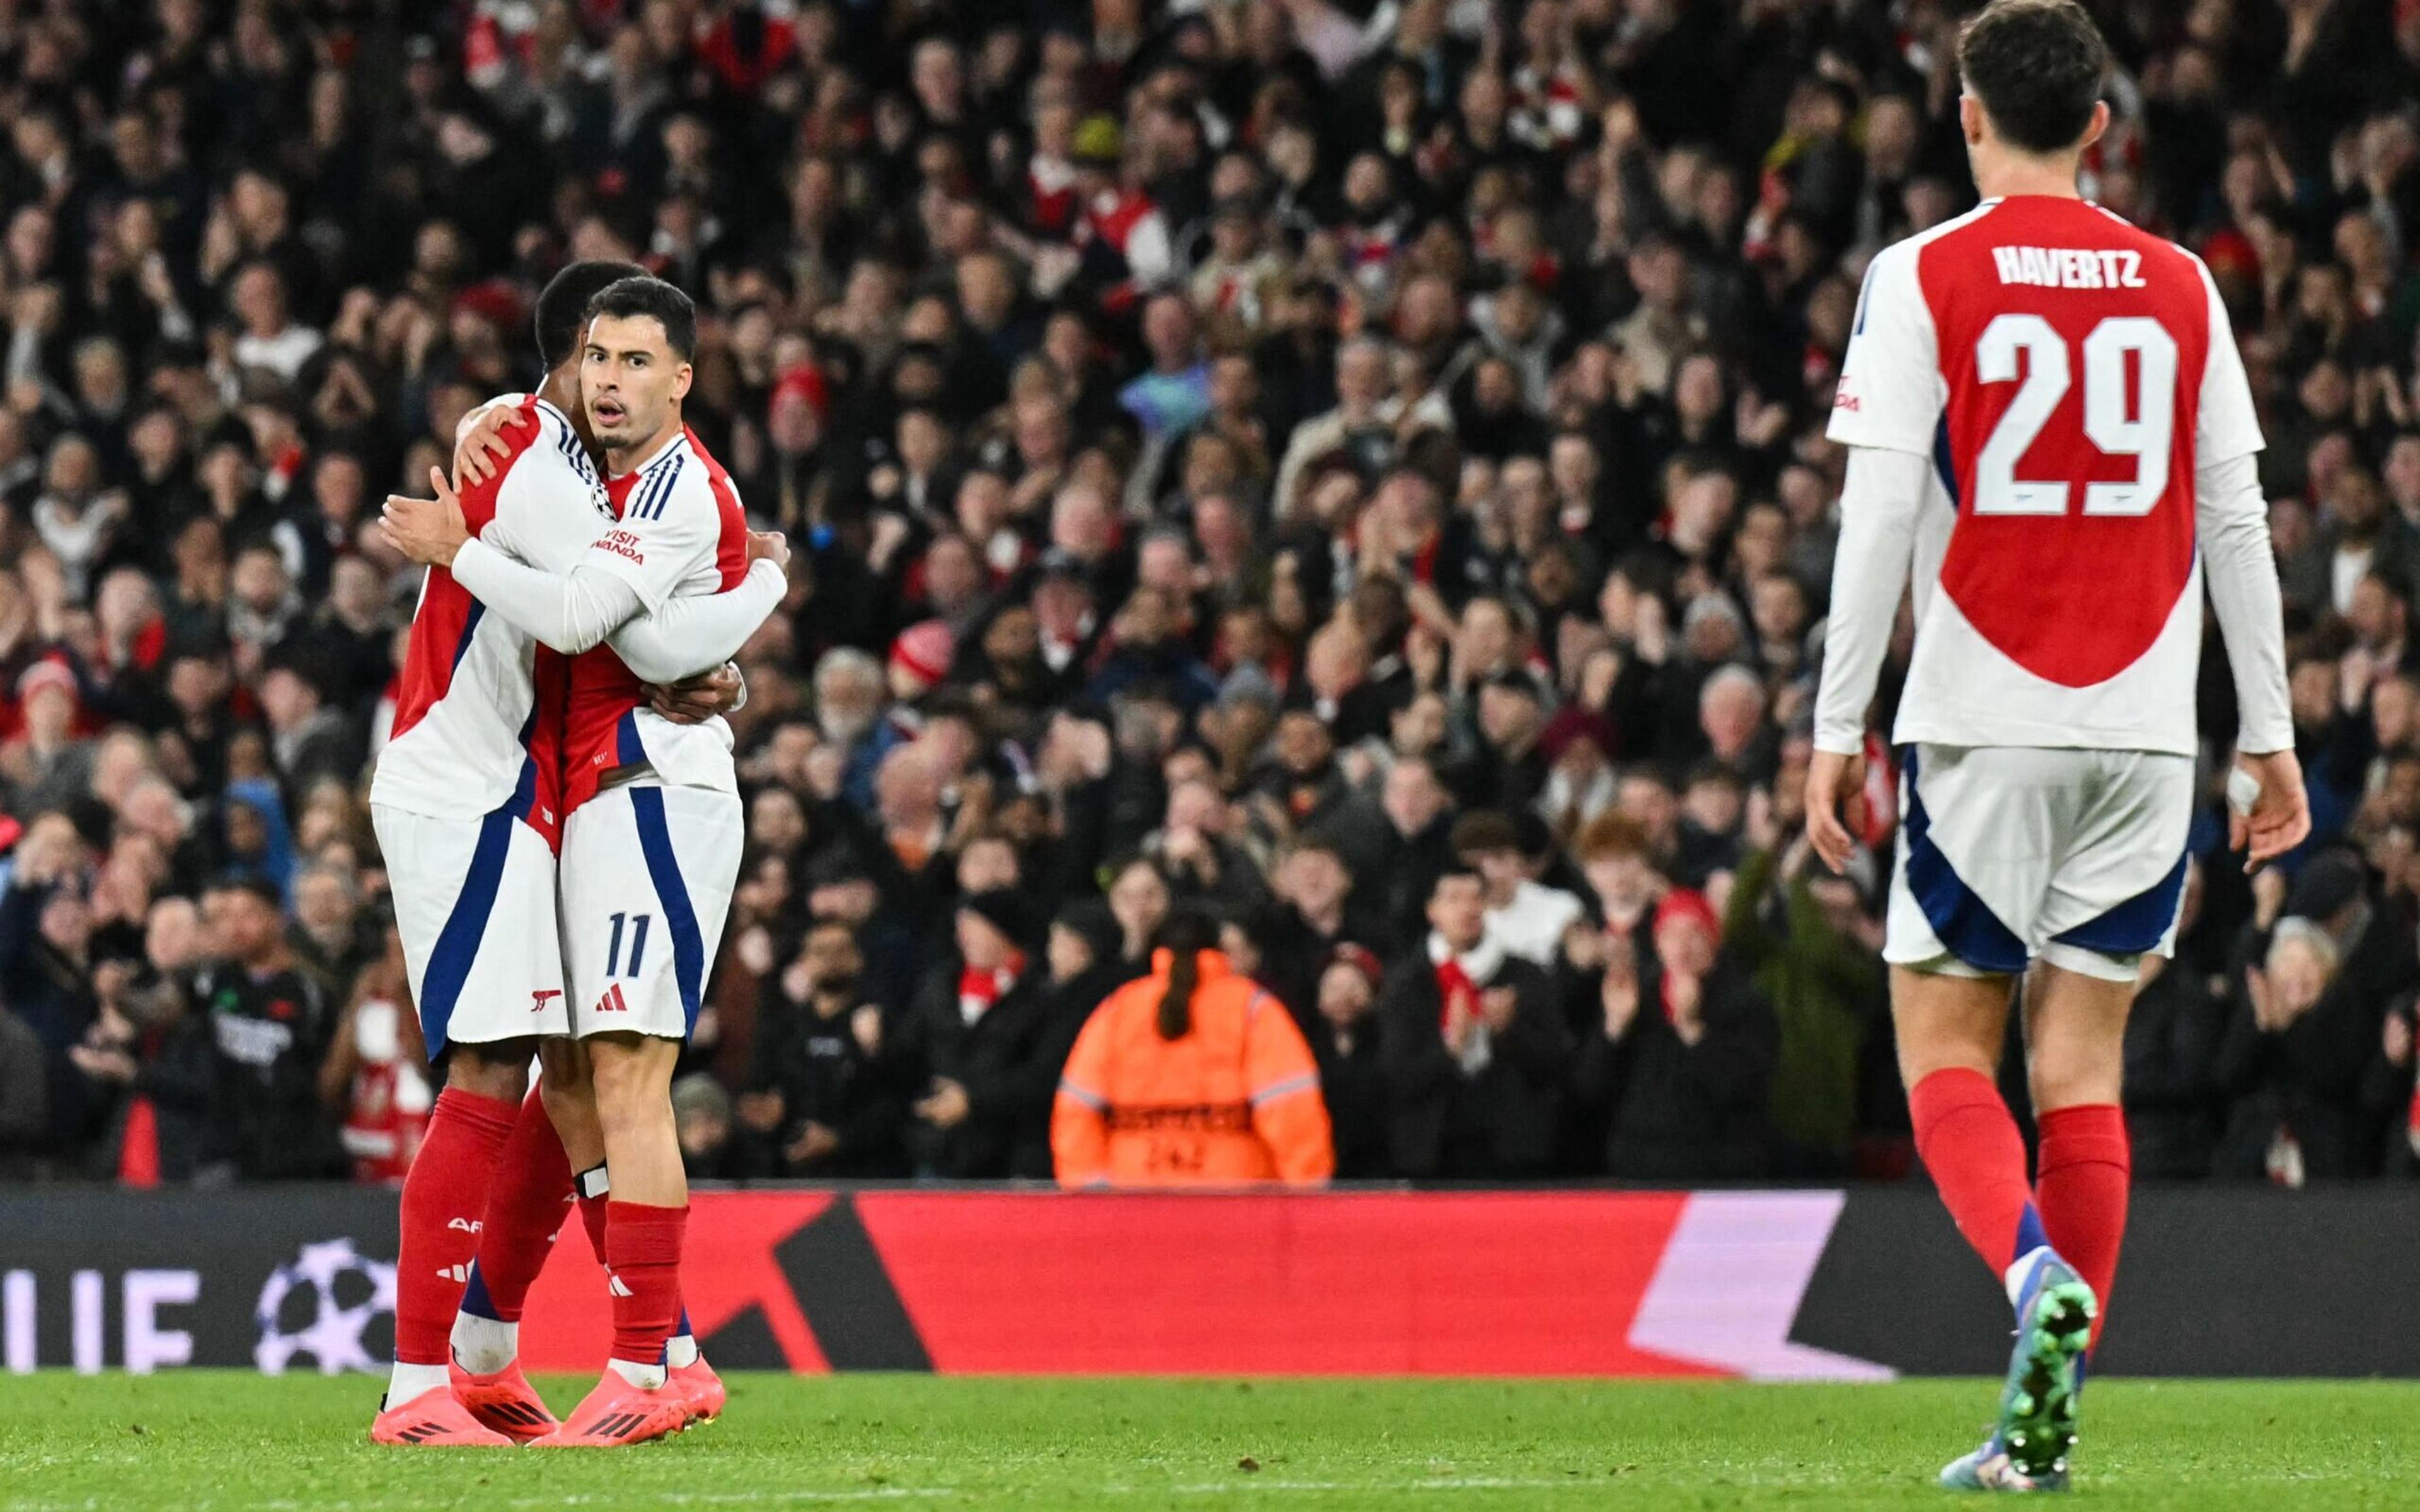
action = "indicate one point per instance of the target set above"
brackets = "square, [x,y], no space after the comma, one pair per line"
[374,1072]
[1805,939]
[1345,1040]
[270,1027]
[973,1037]
[46,963]
[1190,1077]
[1681,1056]
[2312,1007]
[702,1114]
[1528,917]
[1476,1052]
[2173,1103]
[25,1093]
[825,1098]
[329,942]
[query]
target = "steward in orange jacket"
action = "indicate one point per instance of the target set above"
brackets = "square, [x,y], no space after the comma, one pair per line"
[1191,1076]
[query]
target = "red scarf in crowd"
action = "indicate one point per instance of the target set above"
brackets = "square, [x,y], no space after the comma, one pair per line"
[1464,974]
[979,990]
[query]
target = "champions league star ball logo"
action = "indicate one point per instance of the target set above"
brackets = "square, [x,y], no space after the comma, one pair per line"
[322,1306]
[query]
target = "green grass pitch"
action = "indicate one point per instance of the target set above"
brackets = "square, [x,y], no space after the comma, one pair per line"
[216,1441]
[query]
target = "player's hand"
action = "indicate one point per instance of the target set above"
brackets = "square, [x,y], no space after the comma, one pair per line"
[1831,778]
[696,700]
[481,447]
[770,546]
[2280,817]
[429,531]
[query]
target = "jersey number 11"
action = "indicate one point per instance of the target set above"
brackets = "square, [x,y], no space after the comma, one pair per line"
[614,965]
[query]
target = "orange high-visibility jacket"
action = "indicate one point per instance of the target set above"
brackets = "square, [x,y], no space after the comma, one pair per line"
[1234,1100]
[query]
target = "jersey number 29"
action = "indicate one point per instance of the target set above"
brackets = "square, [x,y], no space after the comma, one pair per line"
[2134,419]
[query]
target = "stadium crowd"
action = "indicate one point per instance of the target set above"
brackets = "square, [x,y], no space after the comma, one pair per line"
[1358,467]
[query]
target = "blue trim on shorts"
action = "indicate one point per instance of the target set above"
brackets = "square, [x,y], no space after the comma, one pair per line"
[457,944]
[2136,925]
[680,917]
[466,927]
[628,750]
[1965,924]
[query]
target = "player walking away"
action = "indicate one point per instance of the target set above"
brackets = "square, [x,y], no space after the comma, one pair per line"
[2047,416]
[467,804]
[652,828]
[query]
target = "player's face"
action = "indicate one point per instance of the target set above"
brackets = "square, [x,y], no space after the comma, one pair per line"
[631,380]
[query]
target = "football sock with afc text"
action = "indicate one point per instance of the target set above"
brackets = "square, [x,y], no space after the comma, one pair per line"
[444,1202]
[524,1210]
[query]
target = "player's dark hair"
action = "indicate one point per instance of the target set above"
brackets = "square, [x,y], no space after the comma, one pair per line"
[2036,65]
[562,305]
[672,309]
[1185,935]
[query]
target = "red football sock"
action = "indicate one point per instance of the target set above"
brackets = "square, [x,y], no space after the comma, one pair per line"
[644,1244]
[2085,1164]
[592,1213]
[1970,1144]
[525,1207]
[444,1200]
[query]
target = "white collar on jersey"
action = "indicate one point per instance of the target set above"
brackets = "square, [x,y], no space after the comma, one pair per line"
[679,437]
[575,451]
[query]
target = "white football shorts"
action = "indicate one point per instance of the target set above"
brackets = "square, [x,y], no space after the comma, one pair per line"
[647,880]
[2011,853]
[475,903]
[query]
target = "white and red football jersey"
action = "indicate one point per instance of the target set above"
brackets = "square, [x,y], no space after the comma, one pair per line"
[2065,373]
[478,708]
[679,531]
